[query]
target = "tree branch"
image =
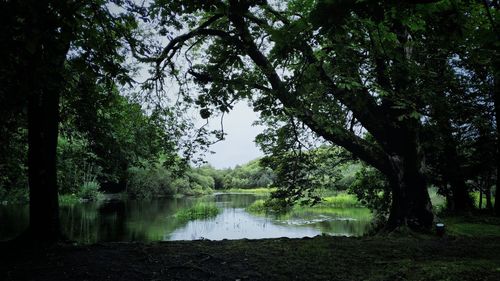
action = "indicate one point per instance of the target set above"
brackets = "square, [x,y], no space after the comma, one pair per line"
[360,102]
[332,132]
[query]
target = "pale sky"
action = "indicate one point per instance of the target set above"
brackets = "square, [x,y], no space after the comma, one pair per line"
[239,146]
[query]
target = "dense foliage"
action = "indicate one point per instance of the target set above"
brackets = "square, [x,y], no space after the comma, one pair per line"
[410,88]
[394,83]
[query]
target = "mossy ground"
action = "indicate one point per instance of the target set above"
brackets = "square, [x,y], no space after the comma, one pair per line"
[319,258]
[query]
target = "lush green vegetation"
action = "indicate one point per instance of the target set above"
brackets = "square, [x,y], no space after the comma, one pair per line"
[376,99]
[198,211]
[259,190]
[328,204]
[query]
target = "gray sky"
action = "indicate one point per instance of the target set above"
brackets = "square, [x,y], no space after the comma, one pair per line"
[238,147]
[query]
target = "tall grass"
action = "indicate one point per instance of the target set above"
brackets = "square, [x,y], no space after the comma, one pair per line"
[198,211]
[341,200]
[258,190]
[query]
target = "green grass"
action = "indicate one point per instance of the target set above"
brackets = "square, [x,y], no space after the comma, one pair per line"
[258,190]
[473,226]
[198,211]
[341,200]
[342,204]
[68,199]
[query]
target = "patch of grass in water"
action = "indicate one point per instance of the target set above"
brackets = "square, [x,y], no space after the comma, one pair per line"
[68,199]
[342,205]
[341,200]
[198,211]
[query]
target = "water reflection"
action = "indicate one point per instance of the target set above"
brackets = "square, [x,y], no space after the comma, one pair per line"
[238,224]
[153,220]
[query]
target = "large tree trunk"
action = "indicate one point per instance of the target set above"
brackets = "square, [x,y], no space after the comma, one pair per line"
[411,205]
[43,84]
[43,114]
[487,191]
[462,200]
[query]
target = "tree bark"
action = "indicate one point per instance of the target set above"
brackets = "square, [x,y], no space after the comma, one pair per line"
[487,191]
[411,205]
[43,117]
[462,200]
[43,83]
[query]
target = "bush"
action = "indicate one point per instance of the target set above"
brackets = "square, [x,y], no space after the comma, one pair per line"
[14,195]
[89,191]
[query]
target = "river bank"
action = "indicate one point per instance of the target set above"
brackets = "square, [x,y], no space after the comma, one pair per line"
[318,258]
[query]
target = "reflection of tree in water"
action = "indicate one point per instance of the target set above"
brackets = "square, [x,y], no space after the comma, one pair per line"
[13,220]
[79,221]
[153,220]
[112,219]
[235,200]
[343,227]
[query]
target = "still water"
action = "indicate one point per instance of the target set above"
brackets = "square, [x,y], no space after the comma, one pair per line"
[153,220]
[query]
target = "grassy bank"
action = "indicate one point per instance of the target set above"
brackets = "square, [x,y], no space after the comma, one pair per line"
[319,258]
[259,190]
[472,226]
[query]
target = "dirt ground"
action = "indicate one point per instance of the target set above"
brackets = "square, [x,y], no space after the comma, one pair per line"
[319,258]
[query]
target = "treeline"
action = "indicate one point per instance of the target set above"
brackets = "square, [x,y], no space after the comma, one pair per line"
[108,144]
[155,179]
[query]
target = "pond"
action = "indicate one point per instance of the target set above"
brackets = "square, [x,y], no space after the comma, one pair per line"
[154,220]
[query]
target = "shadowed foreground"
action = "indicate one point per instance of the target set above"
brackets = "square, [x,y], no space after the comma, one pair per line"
[319,258]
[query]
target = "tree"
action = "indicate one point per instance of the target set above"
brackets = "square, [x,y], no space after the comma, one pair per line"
[40,36]
[325,64]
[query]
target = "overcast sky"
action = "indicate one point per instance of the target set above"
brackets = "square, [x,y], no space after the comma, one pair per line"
[239,146]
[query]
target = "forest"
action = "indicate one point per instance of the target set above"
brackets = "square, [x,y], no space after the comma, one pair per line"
[380,122]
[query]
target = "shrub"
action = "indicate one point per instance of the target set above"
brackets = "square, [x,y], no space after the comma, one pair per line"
[14,195]
[90,191]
